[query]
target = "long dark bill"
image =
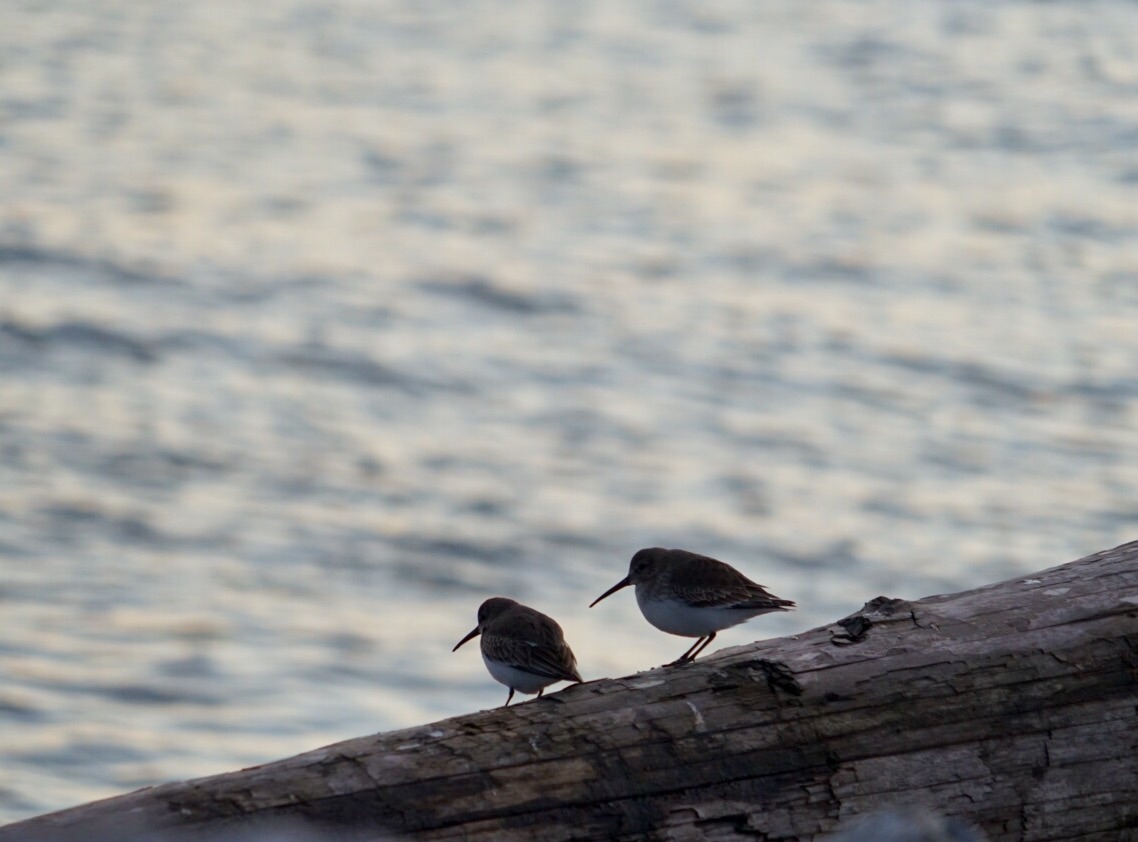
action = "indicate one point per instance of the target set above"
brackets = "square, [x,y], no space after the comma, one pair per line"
[623,583]
[473,634]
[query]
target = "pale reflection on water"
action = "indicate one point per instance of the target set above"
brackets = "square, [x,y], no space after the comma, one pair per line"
[319,324]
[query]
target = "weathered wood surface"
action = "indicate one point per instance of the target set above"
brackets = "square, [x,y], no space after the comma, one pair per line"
[1014,706]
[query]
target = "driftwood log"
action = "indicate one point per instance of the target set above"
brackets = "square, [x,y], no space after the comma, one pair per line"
[1013,707]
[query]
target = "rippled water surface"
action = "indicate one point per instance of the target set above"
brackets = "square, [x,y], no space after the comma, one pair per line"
[321,322]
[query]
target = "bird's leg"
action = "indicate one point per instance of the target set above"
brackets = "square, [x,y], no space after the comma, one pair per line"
[509,697]
[710,638]
[539,692]
[687,656]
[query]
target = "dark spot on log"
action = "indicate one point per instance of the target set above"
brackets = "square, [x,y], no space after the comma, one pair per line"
[738,825]
[886,606]
[723,680]
[855,627]
[837,697]
[746,673]
[631,817]
[779,677]
[881,609]
[204,806]
[689,813]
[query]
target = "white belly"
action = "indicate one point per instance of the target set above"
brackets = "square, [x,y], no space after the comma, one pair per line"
[516,679]
[676,617]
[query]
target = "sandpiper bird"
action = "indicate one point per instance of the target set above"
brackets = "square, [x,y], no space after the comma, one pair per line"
[522,648]
[693,596]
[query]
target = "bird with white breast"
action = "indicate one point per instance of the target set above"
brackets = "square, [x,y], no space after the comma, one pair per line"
[692,595]
[522,648]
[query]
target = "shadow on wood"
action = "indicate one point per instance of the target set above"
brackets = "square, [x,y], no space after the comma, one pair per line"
[1013,707]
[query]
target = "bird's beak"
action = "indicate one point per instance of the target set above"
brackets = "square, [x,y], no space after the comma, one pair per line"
[623,583]
[472,634]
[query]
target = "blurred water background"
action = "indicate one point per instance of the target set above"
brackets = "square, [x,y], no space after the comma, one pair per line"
[322,321]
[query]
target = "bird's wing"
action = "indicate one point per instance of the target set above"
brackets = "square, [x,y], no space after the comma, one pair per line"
[539,648]
[708,583]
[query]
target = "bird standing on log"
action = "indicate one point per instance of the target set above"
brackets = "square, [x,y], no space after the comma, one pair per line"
[691,595]
[522,648]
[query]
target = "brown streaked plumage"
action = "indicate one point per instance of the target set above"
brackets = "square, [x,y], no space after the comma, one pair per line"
[692,595]
[522,648]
